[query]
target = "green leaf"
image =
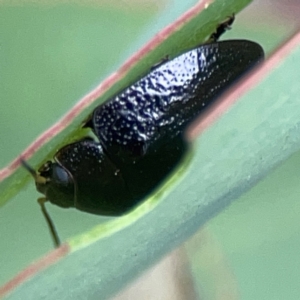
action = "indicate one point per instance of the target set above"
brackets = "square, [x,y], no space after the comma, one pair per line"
[227,159]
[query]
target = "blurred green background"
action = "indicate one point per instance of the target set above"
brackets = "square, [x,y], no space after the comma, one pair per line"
[51,55]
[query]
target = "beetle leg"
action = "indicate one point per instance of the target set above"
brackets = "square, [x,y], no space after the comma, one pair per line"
[222,28]
[50,223]
[161,62]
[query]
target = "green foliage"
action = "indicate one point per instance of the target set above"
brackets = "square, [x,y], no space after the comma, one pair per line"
[258,132]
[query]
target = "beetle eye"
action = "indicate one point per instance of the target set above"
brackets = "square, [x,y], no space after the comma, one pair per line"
[58,186]
[54,174]
[60,175]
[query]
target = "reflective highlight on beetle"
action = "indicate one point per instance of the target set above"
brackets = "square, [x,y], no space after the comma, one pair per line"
[140,131]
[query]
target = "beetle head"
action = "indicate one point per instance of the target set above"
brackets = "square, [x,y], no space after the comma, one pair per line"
[54,182]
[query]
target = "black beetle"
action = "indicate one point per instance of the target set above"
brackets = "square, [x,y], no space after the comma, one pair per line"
[140,130]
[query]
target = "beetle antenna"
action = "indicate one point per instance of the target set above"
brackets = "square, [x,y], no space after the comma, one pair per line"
[38,178]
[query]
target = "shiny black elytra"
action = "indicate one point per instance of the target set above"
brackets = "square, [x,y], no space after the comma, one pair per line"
[140,131]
